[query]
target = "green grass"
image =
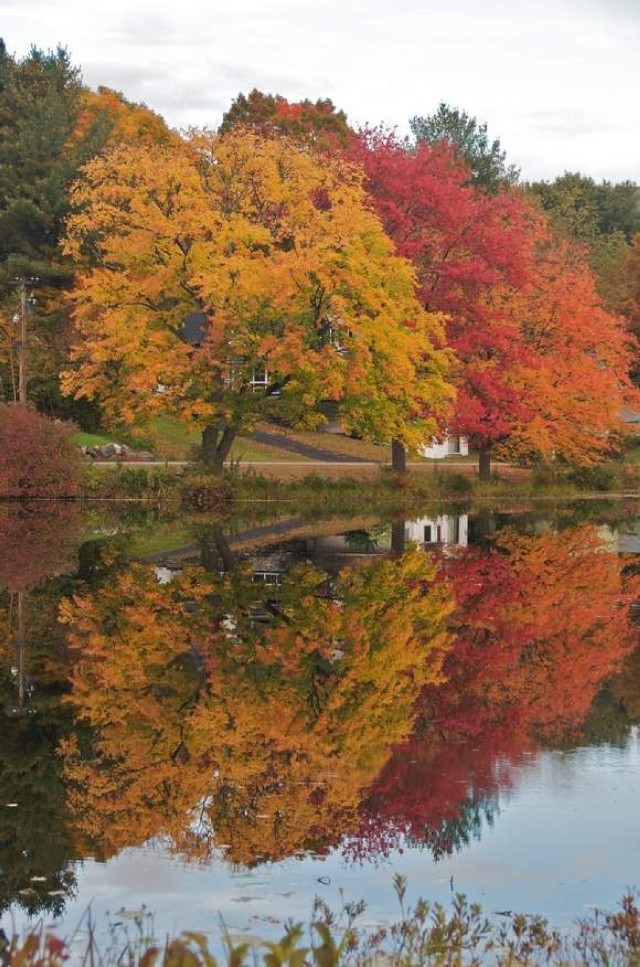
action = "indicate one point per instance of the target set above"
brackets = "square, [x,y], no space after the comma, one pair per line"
[633,454]
[82,439]
[162,539]
[170,439]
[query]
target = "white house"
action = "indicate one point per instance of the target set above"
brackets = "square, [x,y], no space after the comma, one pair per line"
[450,445]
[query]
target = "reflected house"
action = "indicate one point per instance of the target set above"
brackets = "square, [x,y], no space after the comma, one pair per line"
[623,539]
[446,529]
[451,445]
[628,539]
[268,567]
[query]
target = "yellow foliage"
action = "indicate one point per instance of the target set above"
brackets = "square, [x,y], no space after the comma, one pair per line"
[290,267]
[208,718]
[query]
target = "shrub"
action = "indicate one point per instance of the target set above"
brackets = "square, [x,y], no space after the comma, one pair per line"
[38,541]
[456,484]
[205,491]
[37,455]
[549,475]
[601,478]
[424,935]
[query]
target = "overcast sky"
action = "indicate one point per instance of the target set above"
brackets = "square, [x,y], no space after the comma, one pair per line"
[555,80]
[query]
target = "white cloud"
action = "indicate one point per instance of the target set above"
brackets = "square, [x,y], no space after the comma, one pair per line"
[510,64]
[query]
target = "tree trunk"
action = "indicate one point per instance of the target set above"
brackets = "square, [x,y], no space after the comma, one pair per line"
[216,444]
[484,525]
[484,464]
[398,457]
[398,537]
[215,552]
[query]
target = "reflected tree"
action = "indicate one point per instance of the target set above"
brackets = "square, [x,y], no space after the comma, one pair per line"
[229,714]
[541,622]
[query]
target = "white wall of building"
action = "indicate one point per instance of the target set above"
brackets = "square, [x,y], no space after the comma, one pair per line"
[446,529]
[451,445]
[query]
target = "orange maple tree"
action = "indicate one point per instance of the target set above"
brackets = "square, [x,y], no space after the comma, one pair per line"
[581,355]
[293,276]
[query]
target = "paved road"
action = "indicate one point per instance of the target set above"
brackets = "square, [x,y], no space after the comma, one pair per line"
[276,530]
[319,454]
[337,459]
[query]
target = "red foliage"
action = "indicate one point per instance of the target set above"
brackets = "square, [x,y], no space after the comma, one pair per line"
[465,244]
[437,792]
[37,542]
[540,623]
[37,456]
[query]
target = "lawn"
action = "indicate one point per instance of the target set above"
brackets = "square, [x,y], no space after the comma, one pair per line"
[83,439]
[170,439]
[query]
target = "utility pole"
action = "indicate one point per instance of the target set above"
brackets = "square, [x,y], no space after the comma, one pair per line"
[21,321]
[21,647]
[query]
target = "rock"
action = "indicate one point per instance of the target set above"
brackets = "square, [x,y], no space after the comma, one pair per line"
[116,451]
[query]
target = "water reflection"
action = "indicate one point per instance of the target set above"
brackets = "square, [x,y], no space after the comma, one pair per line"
[313,693]
[38,548]
[540,622]
[259,711]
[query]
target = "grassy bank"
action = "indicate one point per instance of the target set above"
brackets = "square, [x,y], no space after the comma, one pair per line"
[343,488]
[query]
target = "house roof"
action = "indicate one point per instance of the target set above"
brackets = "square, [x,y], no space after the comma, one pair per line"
[195,327]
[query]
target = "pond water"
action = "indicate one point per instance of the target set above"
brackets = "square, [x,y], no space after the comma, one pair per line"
[204,718]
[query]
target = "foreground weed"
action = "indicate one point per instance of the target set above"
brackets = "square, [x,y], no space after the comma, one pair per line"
[424,935]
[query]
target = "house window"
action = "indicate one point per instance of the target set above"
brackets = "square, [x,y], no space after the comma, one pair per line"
[259,379]
[427,533]
[454,444]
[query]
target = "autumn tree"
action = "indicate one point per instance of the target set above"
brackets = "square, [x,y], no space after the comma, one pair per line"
[540,623]
[482,258]
[107,117]
[290,271]
[626,294]
[576,379]
[464,243]
[270,115]
[602,219]
[435,793]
